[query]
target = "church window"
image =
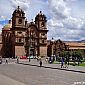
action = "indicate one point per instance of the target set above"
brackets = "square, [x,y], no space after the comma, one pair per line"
[43,34]
[20,21]
[19,40]
[43,24]
[42,41]
[20,14]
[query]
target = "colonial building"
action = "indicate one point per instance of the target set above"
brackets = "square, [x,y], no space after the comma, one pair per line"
[76,46]
[57,47]
[21,37]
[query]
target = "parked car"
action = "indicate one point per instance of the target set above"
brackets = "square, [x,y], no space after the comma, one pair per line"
[32,57]
[23,57]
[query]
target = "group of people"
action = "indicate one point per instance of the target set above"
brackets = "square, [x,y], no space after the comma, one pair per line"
[64,61]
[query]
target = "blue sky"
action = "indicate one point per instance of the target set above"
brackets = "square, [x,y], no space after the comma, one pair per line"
[66,18]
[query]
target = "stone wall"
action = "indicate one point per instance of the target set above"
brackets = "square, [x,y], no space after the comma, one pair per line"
[43,51]
[19,51]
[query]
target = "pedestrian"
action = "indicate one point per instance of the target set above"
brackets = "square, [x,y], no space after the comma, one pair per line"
[62,62]
[6,61]
[29,59]
[40,63]
[17,59]
[66,66]
[46,60]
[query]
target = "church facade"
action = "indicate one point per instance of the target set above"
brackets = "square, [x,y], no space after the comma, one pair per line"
[21,37]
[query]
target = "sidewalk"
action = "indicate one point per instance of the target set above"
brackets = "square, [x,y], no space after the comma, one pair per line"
[10,61]
[34,62]
[4,80]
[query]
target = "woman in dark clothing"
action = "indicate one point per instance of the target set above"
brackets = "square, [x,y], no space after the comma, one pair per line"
[40,63]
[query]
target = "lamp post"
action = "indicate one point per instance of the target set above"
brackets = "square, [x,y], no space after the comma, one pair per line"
[52,45]
[68,56]
[53,57]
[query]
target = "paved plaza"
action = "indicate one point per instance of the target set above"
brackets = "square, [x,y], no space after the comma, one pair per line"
[29,73]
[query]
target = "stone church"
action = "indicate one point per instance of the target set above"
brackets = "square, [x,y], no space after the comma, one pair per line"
[21,37]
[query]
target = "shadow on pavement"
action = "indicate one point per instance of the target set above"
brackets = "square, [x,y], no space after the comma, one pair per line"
[54,68]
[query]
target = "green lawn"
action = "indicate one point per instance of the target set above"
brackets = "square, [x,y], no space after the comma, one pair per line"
[56,62]
[71,63]
[82,64]
[76,64]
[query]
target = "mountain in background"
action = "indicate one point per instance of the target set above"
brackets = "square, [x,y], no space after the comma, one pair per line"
[83,41]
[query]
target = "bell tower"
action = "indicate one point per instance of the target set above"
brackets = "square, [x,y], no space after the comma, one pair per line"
[18,18]
[18,30]
[40,21]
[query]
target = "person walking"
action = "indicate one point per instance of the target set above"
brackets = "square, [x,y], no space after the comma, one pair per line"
[6,61]
[62,62]
[17,59]
[40,63]
[66,66]
[46,60]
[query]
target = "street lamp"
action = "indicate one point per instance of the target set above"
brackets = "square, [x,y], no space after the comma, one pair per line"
[53,48]
[52,45]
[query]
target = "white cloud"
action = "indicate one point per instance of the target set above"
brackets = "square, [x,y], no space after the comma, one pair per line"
[58,8]
[24,4]
[62,25]
[73,23]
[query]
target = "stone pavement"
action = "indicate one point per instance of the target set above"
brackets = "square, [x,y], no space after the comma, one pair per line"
[32,74]
[4,80]
[34,62]
[10,61]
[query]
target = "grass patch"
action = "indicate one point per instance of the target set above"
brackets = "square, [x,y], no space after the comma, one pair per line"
[82,64]
[76,64]
[56,62]
[73,64]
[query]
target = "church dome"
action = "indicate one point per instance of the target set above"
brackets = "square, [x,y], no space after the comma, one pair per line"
[40,16]
[8,26]
[18,12]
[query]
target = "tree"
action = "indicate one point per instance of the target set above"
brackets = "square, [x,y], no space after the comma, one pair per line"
[77,56]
